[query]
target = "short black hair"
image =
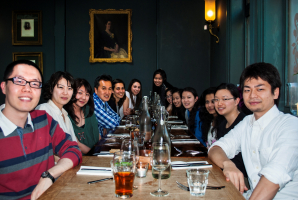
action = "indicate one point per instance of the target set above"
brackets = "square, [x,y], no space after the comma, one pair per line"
[50,84]
[103,77]
[9,69]
[264,71]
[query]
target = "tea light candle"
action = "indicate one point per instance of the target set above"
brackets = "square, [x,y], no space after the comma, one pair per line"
[141,172]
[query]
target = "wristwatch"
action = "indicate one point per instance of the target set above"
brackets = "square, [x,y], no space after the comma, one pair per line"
[46,174]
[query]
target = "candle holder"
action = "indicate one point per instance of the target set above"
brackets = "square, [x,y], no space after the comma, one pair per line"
[142,168]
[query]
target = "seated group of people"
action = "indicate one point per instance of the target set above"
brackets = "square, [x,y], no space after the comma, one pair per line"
[261,147]
[254,143]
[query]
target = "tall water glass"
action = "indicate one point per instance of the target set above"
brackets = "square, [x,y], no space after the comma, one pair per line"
[161,159]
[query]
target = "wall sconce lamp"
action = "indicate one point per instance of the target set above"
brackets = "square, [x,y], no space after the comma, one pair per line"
[210,15]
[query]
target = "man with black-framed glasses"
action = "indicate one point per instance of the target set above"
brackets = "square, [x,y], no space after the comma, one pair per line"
[29,138]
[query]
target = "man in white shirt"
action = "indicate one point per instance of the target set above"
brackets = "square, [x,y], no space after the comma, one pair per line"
[268,140]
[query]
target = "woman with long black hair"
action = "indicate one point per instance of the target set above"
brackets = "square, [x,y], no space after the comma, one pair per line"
[160,84]
[191,104]
[209,119]
[81,113]
[177,107]
[134,94]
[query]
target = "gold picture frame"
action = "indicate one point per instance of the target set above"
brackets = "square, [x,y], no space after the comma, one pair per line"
[110,35]
[35,57]
[26,28]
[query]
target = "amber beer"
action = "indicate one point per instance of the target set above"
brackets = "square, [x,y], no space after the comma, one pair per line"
[124,183]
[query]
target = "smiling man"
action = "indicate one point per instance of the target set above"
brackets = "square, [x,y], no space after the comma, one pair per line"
[268,140]
[106,117]
[29,139]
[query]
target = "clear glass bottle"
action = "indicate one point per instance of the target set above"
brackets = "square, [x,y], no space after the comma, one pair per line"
[145,120]
[161,135]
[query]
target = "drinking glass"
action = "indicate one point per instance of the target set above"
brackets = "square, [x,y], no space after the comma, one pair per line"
[124,167]
[129,145]
[161,160]
[197,181]
[130,124]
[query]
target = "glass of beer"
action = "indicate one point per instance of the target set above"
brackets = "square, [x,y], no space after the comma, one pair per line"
[124,173]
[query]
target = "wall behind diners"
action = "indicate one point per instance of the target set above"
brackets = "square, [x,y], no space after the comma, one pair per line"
[47,47]
[166,34]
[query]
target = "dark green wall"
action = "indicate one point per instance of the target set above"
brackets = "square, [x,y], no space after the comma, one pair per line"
[183,46]
[48,47]
[167,34]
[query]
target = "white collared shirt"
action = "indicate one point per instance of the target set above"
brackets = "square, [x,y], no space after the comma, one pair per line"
[7,126]
[269,147]
[56,114]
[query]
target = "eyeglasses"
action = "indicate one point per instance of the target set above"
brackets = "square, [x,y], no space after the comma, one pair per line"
[170,96]
[20,81]
[224,100]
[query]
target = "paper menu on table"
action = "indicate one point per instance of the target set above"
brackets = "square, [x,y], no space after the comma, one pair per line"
[91,170]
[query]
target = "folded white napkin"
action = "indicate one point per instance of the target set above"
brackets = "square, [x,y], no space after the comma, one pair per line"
[179,127]
[185,141]
[118,135]
[91,170]
[182,165]
[175,122]
[173,117]
[104,154]
[121,126]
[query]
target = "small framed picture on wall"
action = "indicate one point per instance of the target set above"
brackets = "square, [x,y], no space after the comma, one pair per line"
[35,57]
[26,28]
[110,35]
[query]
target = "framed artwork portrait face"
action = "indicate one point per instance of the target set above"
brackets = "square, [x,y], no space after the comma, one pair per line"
[110,35]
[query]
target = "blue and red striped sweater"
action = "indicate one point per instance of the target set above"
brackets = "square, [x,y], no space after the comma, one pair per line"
[23,159]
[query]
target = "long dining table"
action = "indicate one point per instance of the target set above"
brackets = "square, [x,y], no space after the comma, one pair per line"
[72,186]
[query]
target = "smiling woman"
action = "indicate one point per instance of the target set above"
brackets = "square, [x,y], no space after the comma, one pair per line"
[58,91]
[226,101]
[81,113]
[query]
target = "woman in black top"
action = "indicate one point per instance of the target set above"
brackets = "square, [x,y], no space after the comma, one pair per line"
[160,84]
[226,101]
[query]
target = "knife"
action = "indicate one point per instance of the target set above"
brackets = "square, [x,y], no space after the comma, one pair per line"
[191,165]
[97,169]
[105,179]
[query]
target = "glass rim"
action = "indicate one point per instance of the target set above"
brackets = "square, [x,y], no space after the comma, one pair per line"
[196,170]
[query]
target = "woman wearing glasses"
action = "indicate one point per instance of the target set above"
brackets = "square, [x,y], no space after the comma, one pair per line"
[226,101]
[58,92]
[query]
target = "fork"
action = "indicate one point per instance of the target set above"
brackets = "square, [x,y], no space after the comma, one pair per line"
[180,152]
[183,187]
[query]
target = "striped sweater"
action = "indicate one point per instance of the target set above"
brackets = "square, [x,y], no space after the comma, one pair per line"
[24,158]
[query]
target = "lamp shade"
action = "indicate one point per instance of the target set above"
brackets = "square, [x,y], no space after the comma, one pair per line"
[210,10]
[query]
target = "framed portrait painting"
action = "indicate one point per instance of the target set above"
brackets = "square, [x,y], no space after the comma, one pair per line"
[110,35]
[35,57]
[26,28]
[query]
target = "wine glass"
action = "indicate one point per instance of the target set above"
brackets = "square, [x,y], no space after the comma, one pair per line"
[161,160]
[129,145]
[130,125]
